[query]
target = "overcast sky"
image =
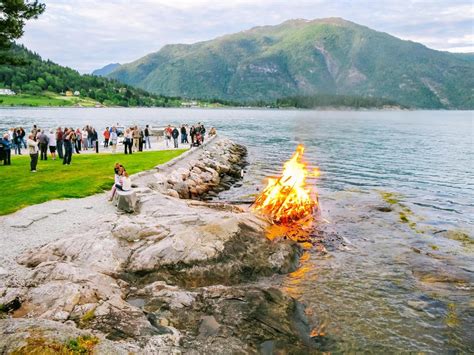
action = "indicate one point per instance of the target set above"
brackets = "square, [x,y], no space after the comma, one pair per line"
[89,34]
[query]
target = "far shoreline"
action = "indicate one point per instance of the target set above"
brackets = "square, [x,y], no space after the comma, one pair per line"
[328,109]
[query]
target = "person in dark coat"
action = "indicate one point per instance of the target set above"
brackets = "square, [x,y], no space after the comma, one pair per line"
[175,135]
[67,140]
[43,141]
[192,133]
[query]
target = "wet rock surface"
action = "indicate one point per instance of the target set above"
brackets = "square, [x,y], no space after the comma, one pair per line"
[176,276]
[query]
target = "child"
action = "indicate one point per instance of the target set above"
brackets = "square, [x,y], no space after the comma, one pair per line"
[118,170]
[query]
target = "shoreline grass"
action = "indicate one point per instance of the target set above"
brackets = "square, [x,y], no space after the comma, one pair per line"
[87,175]
[45,99]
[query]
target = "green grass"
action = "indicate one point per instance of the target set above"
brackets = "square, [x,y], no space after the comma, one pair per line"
[88,174]
[45,99]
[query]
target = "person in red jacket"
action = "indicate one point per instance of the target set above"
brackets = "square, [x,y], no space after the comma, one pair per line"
[106,137]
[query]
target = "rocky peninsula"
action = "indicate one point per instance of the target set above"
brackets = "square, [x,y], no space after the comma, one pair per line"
[178,275]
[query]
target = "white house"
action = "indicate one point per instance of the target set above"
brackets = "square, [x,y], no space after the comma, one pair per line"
[7,92]
[77,93]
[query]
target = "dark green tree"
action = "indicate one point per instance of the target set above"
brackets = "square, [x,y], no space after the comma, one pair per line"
[13,15]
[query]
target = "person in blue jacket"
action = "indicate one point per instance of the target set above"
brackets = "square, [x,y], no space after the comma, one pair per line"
[7,150]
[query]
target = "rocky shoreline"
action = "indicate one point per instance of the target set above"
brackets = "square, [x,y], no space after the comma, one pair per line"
[179,275]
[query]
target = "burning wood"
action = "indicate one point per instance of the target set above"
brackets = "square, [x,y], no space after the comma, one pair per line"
[288,199]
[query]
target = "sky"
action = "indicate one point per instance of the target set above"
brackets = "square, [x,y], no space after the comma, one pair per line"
[88,34]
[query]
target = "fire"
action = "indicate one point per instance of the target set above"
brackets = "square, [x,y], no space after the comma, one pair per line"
[289,199]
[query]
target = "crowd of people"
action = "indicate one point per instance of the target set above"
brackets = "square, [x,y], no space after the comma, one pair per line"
[63,143]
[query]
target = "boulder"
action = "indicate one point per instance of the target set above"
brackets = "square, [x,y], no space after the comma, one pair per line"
[126,201]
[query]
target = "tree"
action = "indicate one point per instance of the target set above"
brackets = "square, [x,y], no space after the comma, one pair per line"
[13,15]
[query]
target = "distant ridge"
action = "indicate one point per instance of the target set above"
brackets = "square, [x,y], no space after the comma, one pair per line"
[307,58]
[109,68]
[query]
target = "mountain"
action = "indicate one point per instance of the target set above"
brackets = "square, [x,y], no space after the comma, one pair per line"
[42,79]
[307,58]
[109,68]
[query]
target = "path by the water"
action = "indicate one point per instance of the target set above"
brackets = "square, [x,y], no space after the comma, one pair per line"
[157,143]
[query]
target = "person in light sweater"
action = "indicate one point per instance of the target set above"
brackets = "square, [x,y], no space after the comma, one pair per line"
[33,151]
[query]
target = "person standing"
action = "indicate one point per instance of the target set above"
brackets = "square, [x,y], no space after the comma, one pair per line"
[32,145]
[106,137]
[13,140]
[141,140]
[22,137]
[184,135]
[43,144]
[89,137]
[136,138]
[94,139]
[17,141]
[175,134]
[52,144]
[192,133]
[113,139]
[202,130]
[59,142]
[84,138]
[127,141]
[168,131]
[7,149]
[147,137]
[78,140]
[67,140]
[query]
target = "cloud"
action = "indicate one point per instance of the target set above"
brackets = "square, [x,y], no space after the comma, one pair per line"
[89,34]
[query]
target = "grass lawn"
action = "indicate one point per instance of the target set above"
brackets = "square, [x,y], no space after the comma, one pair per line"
[88,174]
[45,99]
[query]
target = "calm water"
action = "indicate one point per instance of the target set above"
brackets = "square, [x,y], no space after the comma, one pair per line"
[369,297]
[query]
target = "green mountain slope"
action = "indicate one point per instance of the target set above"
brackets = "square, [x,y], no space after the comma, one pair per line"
[40,83]
[306,58]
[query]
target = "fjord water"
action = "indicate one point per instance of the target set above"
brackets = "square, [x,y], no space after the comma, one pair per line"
[383,290]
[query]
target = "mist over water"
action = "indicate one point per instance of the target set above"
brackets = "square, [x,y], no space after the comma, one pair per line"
[360,296]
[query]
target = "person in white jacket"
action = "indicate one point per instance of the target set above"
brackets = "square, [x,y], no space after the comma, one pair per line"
[52,144]
[125,181]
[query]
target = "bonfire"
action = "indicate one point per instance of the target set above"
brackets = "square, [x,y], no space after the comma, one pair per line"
[288,199]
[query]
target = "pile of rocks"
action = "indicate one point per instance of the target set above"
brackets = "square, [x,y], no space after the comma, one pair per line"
[219,166]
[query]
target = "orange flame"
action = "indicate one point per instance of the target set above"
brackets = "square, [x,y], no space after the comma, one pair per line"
[288,199]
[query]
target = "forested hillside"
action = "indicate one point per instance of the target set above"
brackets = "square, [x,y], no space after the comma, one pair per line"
[39,77]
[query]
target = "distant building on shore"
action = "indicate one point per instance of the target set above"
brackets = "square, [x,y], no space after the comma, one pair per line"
[69,93]
[77,93]
[189,104]
[7,92]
